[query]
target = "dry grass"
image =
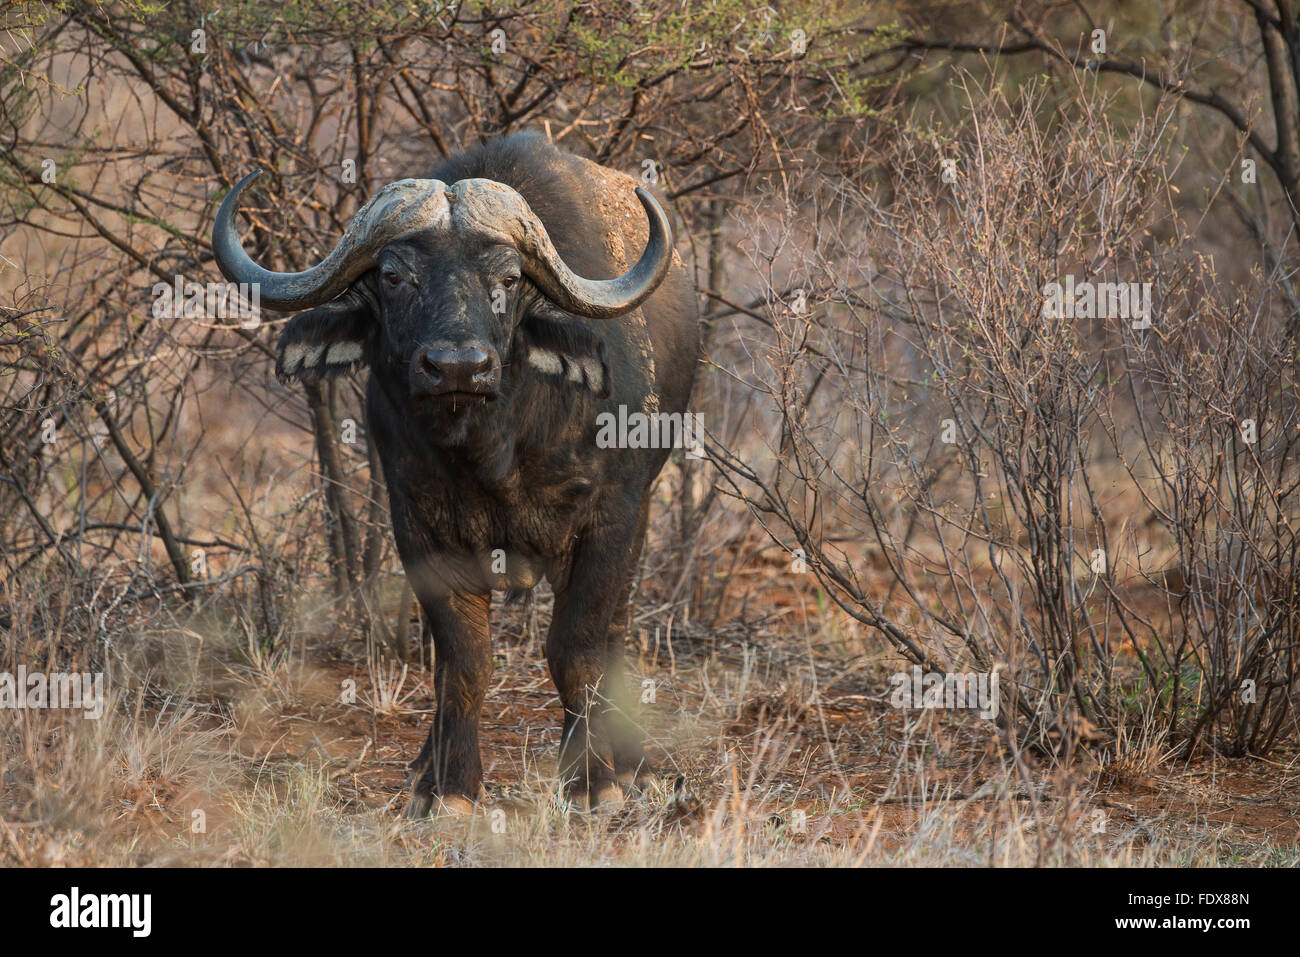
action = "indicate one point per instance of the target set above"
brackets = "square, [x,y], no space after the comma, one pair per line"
[788,747]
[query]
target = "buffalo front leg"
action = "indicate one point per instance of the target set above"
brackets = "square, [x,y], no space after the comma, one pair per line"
[631,767]
[449,769]
[578,653]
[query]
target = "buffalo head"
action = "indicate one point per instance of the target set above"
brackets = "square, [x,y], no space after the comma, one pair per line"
[437,287]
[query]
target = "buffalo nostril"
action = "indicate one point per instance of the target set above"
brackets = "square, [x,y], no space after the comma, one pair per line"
[442,369]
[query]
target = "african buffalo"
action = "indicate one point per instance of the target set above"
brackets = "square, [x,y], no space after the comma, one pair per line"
[492,348]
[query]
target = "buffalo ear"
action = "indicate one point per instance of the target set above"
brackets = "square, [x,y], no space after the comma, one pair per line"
[565,352]
[328,340]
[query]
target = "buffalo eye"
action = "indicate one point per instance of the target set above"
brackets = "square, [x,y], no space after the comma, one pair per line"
[507,282]
[391,277]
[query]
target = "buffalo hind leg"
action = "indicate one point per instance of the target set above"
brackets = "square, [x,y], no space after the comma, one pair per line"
[449,768]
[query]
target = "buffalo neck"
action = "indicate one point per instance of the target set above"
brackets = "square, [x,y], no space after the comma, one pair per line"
[532,431]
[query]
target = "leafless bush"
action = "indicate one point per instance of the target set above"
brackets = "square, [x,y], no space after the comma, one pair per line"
[946,427]
[1214,403]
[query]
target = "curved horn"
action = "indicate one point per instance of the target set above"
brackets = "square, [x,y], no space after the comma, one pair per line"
[398,208]
[488,206]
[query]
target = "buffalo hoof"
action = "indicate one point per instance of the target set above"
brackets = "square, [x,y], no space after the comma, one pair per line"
[453,805]
[604,797]
[420,806]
